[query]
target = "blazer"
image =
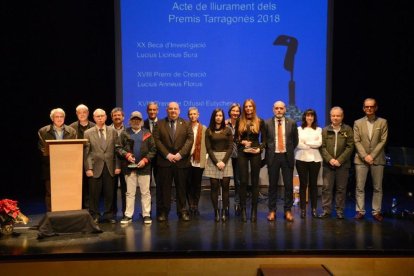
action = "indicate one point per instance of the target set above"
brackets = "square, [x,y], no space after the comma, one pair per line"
[165,144]
[375,146]
[147,124]
[291,139]
[95,156]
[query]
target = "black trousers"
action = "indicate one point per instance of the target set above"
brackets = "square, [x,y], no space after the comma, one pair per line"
[255,161]
[165,178]
[193,188]
[104,183]
[308,176]
[280,163]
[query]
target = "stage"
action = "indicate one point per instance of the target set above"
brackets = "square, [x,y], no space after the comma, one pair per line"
[203,238]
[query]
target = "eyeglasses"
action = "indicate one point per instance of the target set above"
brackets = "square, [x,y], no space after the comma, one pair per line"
[369,106]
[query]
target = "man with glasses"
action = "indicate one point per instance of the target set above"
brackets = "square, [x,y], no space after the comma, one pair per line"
[101,165]
[370,136]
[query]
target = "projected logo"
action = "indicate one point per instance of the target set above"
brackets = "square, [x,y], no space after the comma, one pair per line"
[292,111]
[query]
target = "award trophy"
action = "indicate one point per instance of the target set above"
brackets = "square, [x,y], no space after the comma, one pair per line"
[130,147]
[250,149]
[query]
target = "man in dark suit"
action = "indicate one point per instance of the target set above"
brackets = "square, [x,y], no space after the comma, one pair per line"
[57,130]
[150,123]
[282,139]
[101,165]
[174,139]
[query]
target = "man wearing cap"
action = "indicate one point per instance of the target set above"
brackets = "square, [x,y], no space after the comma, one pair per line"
[136,151]
[174,140]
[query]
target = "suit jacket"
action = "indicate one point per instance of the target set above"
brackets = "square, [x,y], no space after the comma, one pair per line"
[96,156]
[292,140]
[147,124]
[375,145]
[182,143]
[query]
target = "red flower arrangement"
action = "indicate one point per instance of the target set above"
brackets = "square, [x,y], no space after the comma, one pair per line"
[10,213]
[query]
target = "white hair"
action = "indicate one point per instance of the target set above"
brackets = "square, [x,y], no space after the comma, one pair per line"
[82,107]
[99,110]
[56,110]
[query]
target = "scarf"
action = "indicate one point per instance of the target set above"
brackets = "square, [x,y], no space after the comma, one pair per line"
[197,148]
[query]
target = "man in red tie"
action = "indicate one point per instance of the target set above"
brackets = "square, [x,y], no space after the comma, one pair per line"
[282,139]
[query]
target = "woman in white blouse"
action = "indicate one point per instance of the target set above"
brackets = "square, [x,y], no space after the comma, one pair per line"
[308,159]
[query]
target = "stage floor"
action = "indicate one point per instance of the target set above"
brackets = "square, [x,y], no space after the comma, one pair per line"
[202,237]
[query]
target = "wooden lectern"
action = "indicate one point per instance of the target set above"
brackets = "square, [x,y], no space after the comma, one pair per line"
[66,166]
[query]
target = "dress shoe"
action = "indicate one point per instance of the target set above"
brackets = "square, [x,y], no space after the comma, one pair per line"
[271,216]
[184,216]
[314,215]
[378,217]
[288,216]
[359,216]
[110,220]
[196,212]
[303,213]
[162,218]
[224,214]
[237,210]
[216,215]
[340,215]
[324,215]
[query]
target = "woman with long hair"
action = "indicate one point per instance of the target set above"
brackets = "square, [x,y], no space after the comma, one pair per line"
[308,159]
[234,115]
[219,145]
[250,137]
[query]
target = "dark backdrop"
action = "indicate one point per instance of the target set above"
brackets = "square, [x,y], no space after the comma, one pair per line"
[62,53]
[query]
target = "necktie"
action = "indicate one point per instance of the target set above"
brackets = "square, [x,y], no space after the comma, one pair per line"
[152,126]
[102,137]
[172,129]
[280,146]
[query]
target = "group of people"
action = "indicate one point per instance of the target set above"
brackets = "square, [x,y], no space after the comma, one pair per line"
[180,152]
